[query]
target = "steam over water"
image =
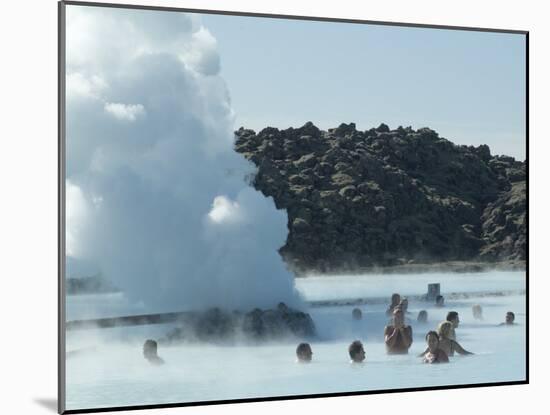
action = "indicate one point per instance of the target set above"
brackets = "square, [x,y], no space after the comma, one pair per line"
[157,199]
[112,371]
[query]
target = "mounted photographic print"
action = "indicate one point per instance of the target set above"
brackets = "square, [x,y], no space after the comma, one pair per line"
[258,207]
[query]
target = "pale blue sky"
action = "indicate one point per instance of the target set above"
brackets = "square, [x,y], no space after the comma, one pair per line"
[468,86]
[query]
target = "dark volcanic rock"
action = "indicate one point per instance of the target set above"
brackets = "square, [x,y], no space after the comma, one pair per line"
[504,226]
[219,325]
[381,197]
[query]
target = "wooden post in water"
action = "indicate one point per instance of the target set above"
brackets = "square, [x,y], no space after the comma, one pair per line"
[140,320]
[434,290]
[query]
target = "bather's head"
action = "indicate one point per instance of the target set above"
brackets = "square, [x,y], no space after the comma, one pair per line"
[477,311]
[432,339]
[356,351]
[150,349]
[395,299]
[422,316]
[439,301]
[444,330]
[452,316]
[404,304]
[510,317]
[398,317]
[304,353]
[357,314]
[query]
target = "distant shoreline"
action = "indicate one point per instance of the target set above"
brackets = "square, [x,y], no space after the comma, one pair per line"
[423,268]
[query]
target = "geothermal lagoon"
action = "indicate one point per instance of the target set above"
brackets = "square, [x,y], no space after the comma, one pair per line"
[109,368]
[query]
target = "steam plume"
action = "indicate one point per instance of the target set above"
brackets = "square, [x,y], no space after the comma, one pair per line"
[156,196]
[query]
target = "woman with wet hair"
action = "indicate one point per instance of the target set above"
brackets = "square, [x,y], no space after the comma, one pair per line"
[434,353]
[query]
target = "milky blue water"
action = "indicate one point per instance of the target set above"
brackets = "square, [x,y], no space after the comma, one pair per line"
[111,370]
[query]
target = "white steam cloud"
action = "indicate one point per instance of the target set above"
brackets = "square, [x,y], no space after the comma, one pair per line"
[156,195]
[126,112]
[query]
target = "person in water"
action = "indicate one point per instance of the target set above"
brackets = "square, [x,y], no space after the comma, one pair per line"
[452,317]
[509,320]
[150,352]
[395,300]
[404,305]
[422,317]
[440,301]
[434,353]
[398,336]
[304,353]
[356,352]
[448,345]
[357,314]
[477,312]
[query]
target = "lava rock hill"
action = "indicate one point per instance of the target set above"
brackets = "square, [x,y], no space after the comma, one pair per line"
[380,197]
[261,325]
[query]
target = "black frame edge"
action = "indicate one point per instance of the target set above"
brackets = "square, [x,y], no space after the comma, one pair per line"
[291,17]
[61,207]
[527,275]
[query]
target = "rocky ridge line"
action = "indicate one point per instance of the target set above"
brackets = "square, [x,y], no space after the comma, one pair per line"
[382,197]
